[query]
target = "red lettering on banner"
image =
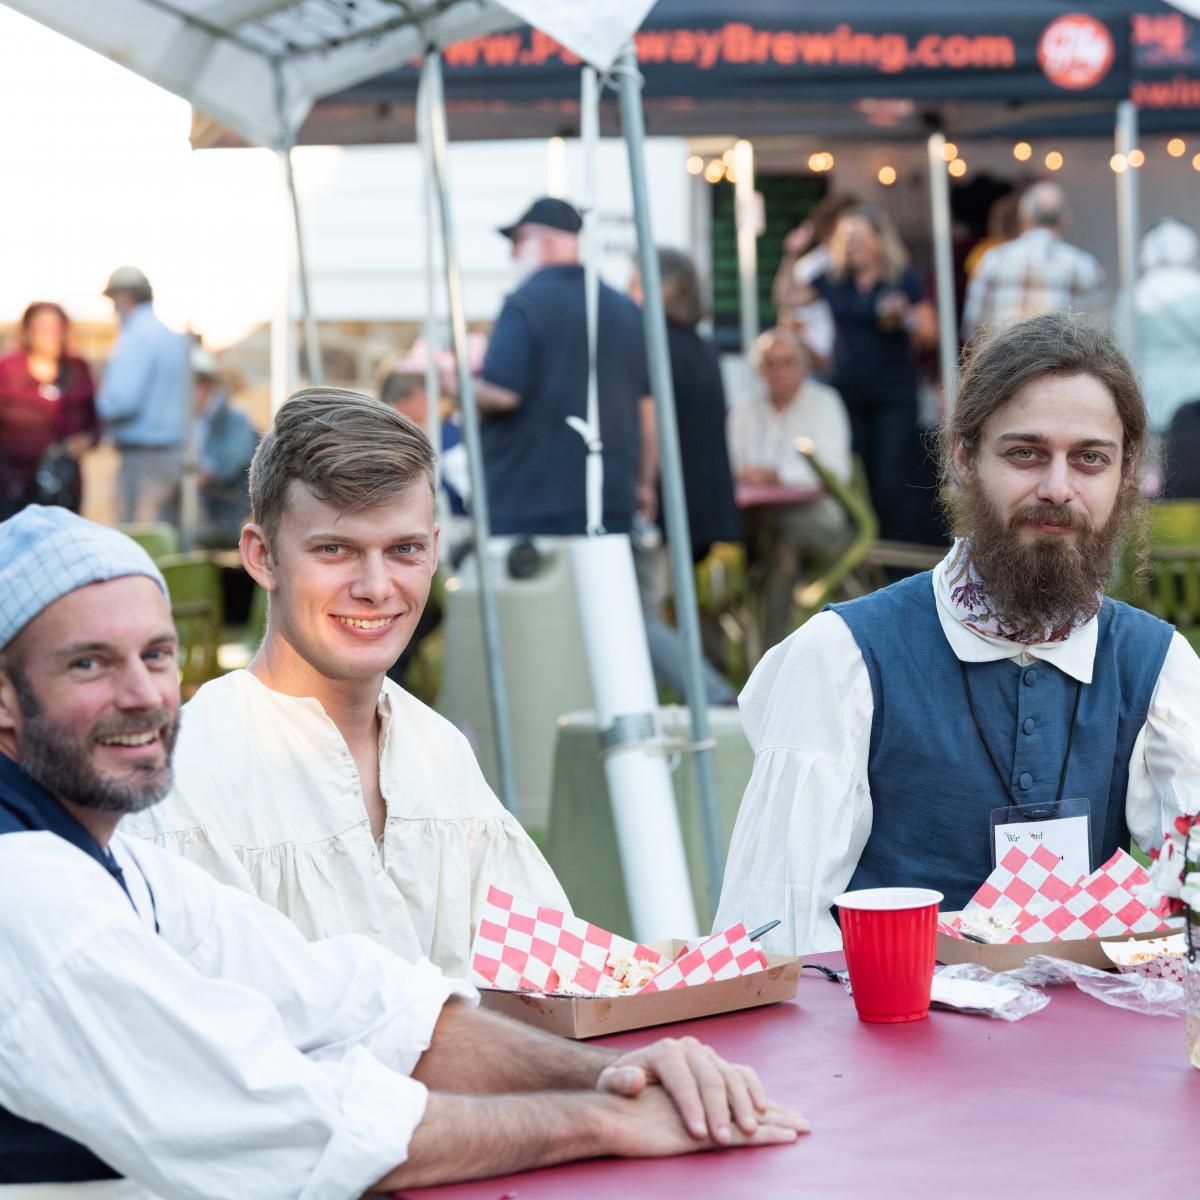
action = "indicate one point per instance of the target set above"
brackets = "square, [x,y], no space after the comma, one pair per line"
[738,41]
[1075,51]
[652,46]
[683,47]
[784,50]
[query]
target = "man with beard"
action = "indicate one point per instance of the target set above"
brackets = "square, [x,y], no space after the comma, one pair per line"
[891,731]
[159,1026]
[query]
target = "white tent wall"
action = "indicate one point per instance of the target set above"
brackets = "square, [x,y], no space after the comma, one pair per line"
[365,224]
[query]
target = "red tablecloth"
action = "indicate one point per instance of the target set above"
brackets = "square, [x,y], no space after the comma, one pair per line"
[1080,1099]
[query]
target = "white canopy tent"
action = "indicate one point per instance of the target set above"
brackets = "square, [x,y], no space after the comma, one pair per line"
[258,66]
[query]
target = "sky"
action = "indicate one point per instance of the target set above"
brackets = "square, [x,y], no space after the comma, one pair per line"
[98,172]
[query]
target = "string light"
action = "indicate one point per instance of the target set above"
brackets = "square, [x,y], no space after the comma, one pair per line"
[887,176]
[822,160]
[715,171]
[728,157]
[1118,163]
[1136,157]
[1196,161]
[1177,147]
[695,165]
[1054,160]
[730,175]
[957,168]
[1022,152]
[949,152]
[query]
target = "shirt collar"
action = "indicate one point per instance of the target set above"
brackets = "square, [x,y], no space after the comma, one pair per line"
[37,810]
[1075,655]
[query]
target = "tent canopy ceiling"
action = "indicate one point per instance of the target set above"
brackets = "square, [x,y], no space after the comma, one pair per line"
[257,66]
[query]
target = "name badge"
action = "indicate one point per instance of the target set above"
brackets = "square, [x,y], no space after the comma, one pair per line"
[1064,829]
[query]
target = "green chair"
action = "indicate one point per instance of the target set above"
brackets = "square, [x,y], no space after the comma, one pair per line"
[194,583]
[157,538]
[1171,589]
[813,594]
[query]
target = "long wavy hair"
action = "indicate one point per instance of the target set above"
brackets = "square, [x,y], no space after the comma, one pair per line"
[892,252]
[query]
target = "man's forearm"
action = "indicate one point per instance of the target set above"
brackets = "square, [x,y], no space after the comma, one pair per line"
[472,1137]
[492,398]
[476,1051]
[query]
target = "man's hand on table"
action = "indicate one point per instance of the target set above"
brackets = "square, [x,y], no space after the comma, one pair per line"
[650,1126]
[718,1103]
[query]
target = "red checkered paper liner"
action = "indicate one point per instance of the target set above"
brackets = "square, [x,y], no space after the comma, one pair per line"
[521,946]
[1104,904]
[722,956]
[1028,895]
[1022,887]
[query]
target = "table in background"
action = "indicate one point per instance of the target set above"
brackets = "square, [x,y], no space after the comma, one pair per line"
[755,495]
[1080,1099]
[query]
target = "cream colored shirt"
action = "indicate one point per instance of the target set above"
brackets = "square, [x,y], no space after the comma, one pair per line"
[762,436]
[267,797]
[806,814]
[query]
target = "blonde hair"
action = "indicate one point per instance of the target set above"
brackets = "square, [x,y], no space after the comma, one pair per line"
[347,449]
[895,257]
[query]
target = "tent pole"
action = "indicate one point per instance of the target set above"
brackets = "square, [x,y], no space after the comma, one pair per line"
[746,223]
[312,343]
[1128,225]
[430,329]
[629,82]
[283,329]
[435,131]
[943,267]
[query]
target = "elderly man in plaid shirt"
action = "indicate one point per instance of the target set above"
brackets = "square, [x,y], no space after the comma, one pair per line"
[1036,272]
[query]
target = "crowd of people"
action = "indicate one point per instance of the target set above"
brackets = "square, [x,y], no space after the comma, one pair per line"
[159,389]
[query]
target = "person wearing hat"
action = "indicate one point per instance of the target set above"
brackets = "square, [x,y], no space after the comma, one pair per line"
[225,441]
[535,375]
[157,1026]
[143,401]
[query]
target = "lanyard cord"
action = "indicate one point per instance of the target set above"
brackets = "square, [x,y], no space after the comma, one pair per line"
[1062,778]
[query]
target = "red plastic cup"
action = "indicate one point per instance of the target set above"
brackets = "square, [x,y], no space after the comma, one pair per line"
[890,937]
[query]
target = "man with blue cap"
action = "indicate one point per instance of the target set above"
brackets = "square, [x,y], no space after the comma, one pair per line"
[159,1026]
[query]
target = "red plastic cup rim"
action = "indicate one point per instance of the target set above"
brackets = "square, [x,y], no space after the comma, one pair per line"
[889,899]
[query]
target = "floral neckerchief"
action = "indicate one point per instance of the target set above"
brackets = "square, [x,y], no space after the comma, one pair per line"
[975,609]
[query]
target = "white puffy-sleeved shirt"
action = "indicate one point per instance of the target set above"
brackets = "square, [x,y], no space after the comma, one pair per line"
[267,798]
[806,813]
[224,1055]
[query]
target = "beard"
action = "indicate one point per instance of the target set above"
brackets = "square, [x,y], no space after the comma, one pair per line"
[61,762]
[1054,582]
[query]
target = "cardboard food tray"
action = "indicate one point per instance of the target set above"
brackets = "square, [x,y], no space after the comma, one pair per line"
[594,1016]
[1006,956]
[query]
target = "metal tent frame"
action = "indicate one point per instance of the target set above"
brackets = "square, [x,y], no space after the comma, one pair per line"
[258,66]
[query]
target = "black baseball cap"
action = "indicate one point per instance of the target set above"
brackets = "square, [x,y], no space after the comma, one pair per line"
[556,214]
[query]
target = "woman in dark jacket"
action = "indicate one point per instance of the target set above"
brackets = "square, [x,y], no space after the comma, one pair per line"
[700,409]
[47,414]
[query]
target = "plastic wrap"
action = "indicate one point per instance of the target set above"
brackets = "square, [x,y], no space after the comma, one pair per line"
[1138,993]
[972,988]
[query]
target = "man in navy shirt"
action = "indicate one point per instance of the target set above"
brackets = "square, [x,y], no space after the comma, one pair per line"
[535,376]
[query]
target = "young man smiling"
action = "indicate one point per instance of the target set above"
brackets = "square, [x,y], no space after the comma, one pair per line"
[901,737]
[310,779]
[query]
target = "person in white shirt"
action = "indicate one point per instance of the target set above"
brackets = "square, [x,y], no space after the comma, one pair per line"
[890,732]
[158,1026]
[762,429]
[310,779]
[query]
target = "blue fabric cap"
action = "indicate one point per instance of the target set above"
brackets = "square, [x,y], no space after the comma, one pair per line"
[47,552]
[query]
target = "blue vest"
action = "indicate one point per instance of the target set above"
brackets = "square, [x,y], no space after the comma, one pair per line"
[932,785]
[32,1153]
